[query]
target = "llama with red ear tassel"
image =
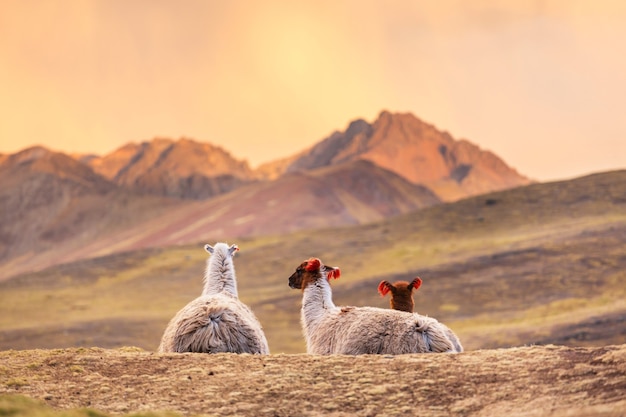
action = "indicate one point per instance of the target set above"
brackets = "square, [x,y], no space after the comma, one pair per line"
[329,329]
[401,293]
[217,321]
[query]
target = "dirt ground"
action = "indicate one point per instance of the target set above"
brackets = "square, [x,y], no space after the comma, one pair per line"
[524,381]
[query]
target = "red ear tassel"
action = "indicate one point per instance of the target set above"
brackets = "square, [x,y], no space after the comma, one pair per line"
[383,289]
[333,273]
[416,283]
[313,264]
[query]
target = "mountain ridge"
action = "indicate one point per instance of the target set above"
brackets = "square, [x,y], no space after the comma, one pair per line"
[95,224]
[184,168]
[417,151]
[60,207]
[399,142]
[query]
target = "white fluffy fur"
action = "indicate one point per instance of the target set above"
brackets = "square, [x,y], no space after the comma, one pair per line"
[219,275]
[329,329]
[216,321]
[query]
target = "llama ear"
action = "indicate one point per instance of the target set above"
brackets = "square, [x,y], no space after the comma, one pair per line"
[233,249]
[313,264]
[416,283]
[208,248]
[383,288]
[332,273]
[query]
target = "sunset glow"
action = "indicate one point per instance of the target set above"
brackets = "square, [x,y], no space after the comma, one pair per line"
[542,84]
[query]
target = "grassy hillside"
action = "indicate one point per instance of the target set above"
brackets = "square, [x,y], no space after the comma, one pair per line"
[543,263]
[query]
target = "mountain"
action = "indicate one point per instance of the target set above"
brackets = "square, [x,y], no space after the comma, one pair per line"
[52,204]
[38,187]
[60,208]
[401,143]
[182,169]
[102,217]
[274,169]
[419,152]
[352,193]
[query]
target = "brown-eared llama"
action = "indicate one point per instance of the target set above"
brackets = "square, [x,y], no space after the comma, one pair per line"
[401,293]
[402,300]
[216,321]
[329,329]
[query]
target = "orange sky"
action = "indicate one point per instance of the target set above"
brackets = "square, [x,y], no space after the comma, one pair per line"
[540,83]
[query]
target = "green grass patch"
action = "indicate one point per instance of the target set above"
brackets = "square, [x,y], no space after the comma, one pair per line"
[22,406]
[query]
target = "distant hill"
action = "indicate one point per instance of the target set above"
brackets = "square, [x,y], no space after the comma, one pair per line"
[38,188]
[352,193]
[165,191]
[52,204]
[417,151]
[108,218]
[183,168]
[274,169]
[538,264]
[401,143]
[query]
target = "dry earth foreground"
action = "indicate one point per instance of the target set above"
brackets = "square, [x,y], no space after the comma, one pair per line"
[522,381]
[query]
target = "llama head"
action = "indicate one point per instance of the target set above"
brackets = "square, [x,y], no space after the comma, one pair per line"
[401,293]
[223,247]
[311,271]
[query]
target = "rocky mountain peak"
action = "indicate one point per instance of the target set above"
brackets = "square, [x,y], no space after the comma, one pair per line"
[180,168]
[417,151]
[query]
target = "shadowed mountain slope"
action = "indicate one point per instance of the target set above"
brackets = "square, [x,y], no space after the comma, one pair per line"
[52,204]
[352,193]
[39,191]
[47,227]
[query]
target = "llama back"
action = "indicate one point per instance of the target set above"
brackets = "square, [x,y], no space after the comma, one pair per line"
[214,324]
[371,330]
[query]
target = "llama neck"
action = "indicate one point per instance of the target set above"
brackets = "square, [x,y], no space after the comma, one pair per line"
[317,300]
[219,276]
[402,304]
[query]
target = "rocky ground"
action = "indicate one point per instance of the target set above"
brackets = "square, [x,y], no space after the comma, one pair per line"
[524,381]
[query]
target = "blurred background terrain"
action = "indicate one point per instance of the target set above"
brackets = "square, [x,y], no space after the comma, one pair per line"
[103,251]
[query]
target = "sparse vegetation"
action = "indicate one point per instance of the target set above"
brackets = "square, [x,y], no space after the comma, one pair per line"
[539,380]
[15,383]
